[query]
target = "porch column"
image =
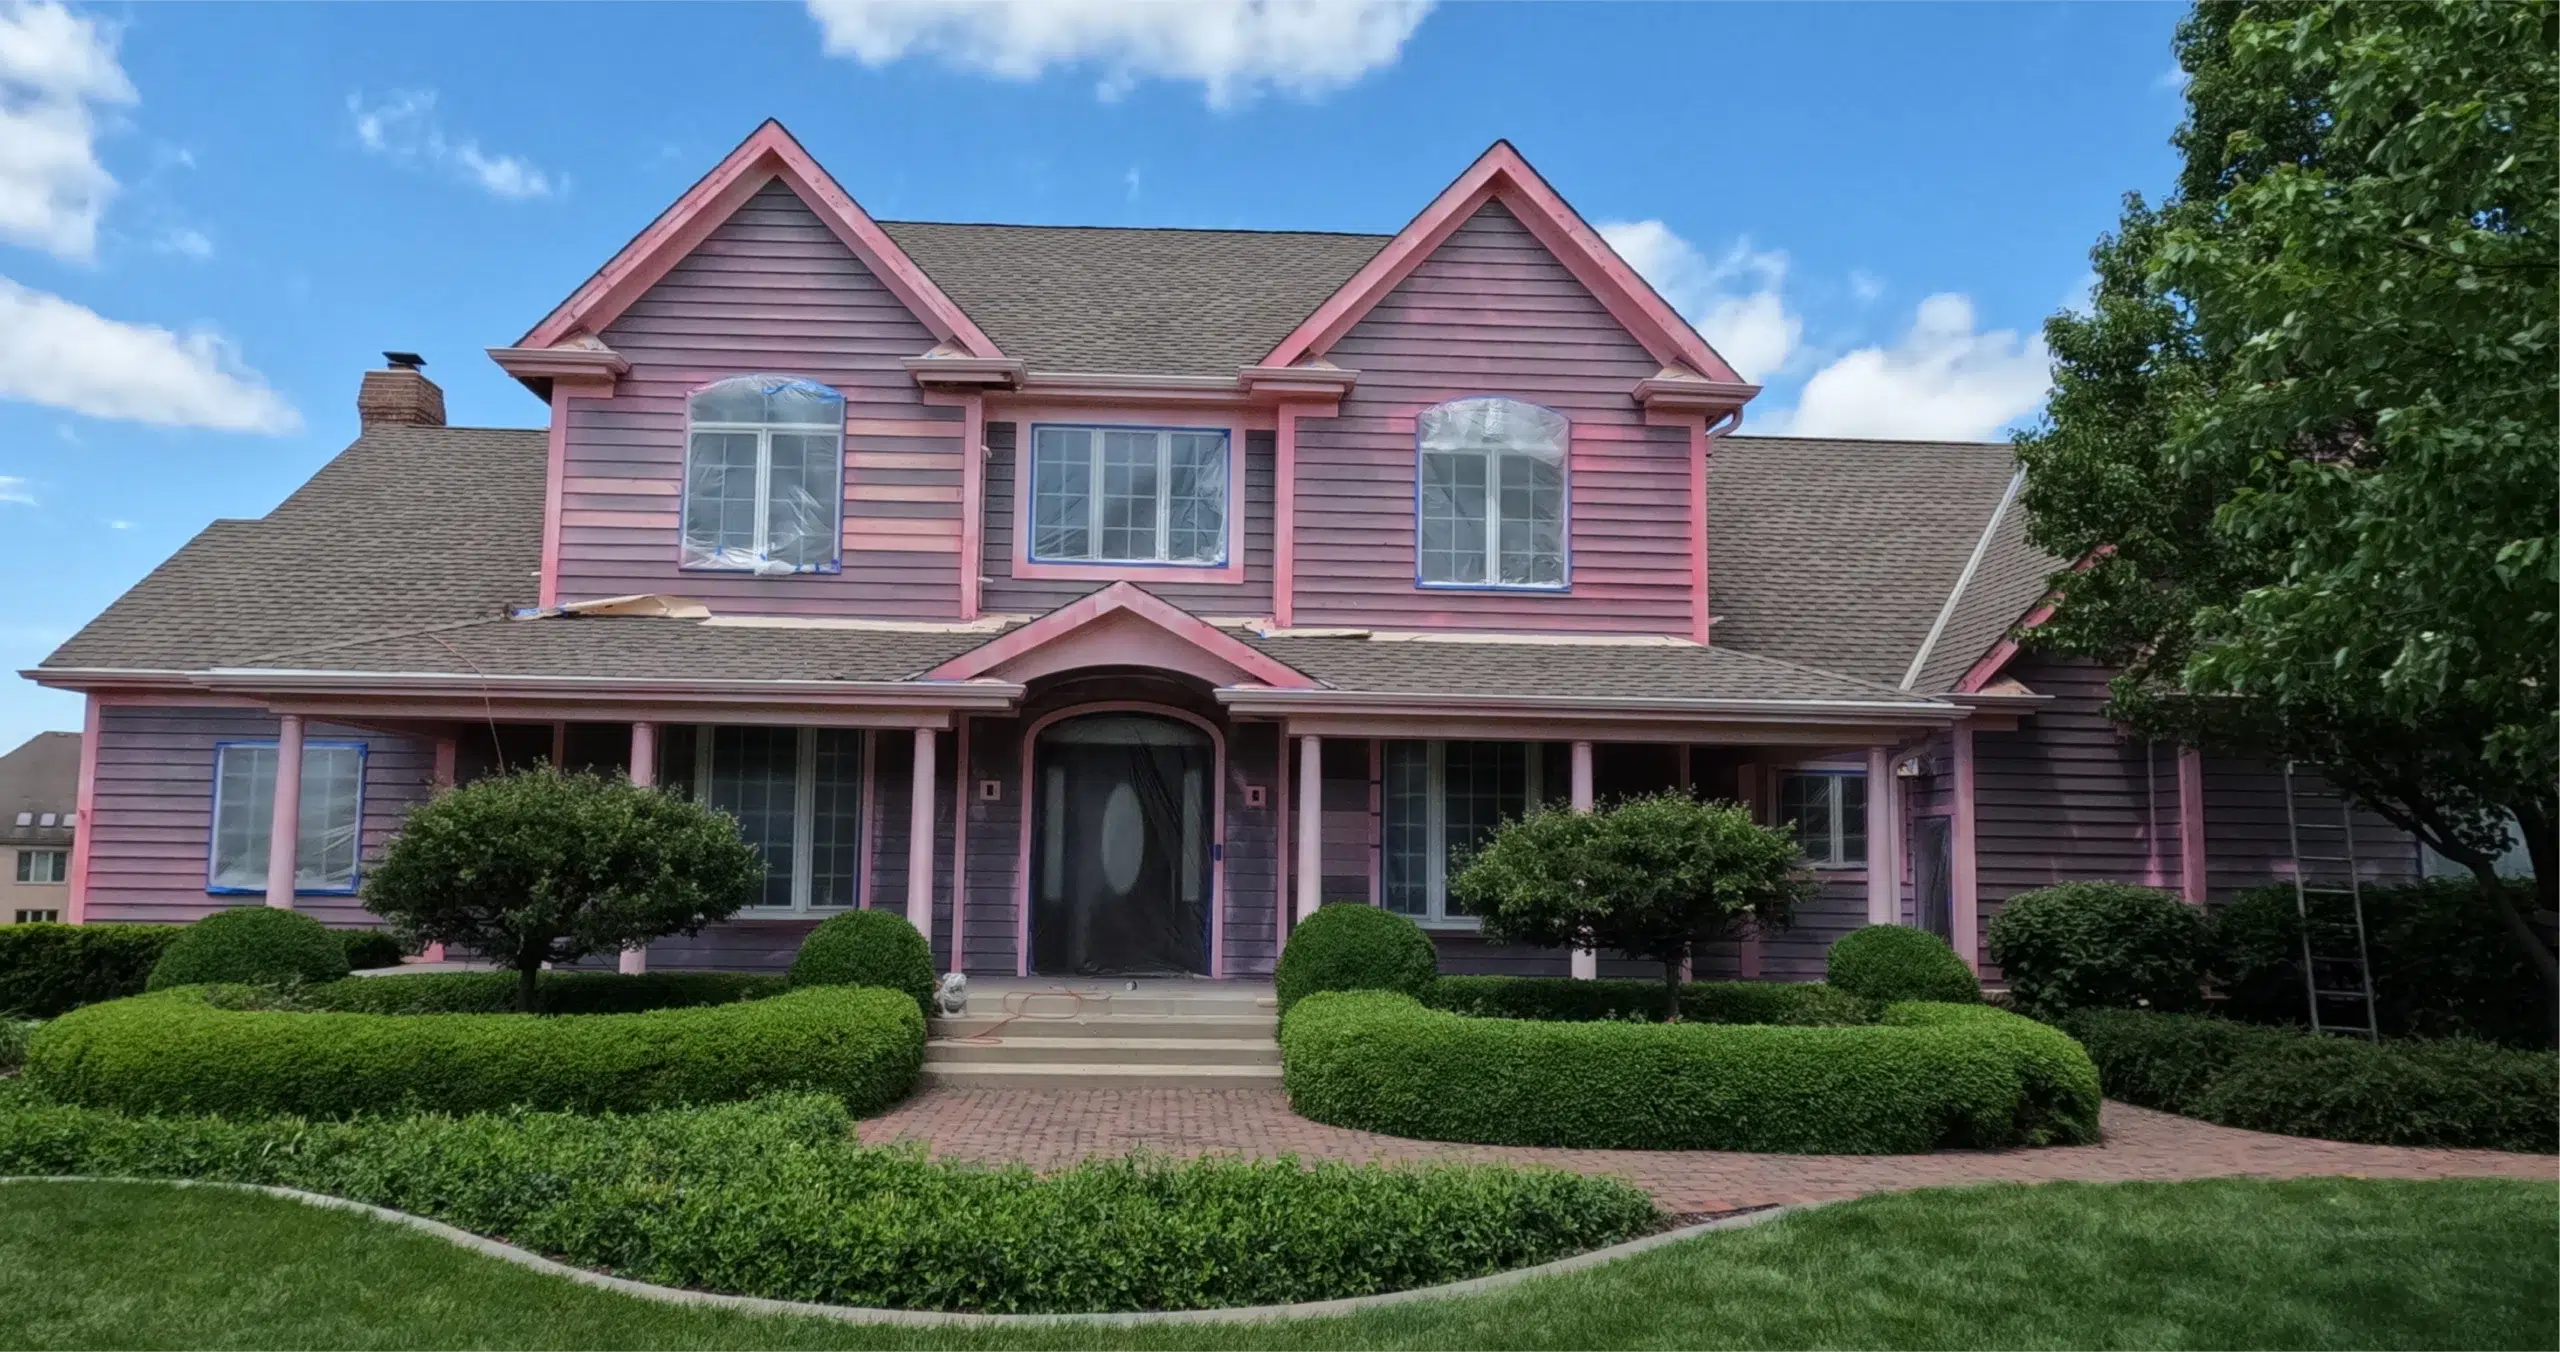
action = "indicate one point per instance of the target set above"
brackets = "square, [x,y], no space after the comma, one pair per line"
[286,825]
[1963,879]
[644,772]
[448,752]
[920,839]
[1748,788]
[1310,825]
[1884,904]
[1586,962]
[2192,879]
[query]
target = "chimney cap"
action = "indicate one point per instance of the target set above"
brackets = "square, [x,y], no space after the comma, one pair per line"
[404,361]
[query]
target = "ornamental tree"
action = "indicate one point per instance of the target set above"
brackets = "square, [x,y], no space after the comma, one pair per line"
[1652,877]
[540,866]
[2302,440]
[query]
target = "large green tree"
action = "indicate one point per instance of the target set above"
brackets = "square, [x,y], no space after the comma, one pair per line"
[2303,439]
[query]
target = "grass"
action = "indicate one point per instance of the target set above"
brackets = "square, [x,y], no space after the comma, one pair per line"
[2233,1263]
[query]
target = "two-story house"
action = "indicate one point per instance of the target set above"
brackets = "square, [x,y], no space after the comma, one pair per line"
[1106,598]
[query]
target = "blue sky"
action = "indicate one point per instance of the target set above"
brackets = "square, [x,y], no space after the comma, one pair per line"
[213,218]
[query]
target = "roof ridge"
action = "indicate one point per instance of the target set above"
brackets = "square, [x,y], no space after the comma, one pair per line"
[1151,229]
[1964,578]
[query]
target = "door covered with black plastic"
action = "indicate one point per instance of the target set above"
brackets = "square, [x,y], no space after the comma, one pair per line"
[1121,844]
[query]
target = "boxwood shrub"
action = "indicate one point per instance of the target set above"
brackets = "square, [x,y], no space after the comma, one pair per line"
[1564,1000]
[49,969]
[371,949]
[179,1052]
[2099,946]
[558,992]
[775,1199]
[2453,1092]
[256,944]
[1351,946]
[867,948]
[1897,962]
[2443,963]
[1930,1076]
[13,1043]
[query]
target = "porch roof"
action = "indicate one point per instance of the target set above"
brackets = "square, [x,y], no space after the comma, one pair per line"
[1534,669]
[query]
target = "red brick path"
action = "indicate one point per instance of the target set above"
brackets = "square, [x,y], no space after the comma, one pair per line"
[1048,1128]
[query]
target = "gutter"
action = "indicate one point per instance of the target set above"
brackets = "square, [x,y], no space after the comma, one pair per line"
[1267,700]
[994,696]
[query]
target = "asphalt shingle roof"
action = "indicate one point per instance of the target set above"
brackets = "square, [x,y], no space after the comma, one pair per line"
[1629,670]
[639,648]
[41,778]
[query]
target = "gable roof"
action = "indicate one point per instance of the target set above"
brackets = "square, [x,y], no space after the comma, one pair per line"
[1203,646]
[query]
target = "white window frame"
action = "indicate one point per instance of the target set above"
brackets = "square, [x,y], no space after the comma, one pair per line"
[1435,910]
[1837,856]
[761,545]
[57,871]
[804,818]
[302,886]
[1493,522]
[1163,529]
[45,915]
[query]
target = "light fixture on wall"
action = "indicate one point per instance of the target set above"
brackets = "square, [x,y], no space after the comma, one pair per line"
[1910,767]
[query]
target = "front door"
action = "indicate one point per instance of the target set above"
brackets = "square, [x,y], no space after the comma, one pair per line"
[1120,858]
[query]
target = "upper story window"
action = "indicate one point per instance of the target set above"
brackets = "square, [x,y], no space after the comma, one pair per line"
[1828,812]
[1142,495]
[329,834]
[764,476]
[1491,505]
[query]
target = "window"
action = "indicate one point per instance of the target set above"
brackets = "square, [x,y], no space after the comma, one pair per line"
[44,866]
[764,476]
[797,795]
[331,830]
[38,917]
[1490,506]
[1129,495]
[1441,800]
[1829,810]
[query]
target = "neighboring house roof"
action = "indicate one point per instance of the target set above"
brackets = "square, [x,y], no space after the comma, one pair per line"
[41,779]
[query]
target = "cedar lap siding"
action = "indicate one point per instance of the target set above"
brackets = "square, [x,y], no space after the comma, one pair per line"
[464,670]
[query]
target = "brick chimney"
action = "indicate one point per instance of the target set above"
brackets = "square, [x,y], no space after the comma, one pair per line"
[400,393]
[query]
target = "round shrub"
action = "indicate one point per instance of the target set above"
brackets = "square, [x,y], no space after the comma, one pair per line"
[1896,962]
[371,950]
[1348,946]
[1932,1076]
[2100,946]
[867,948]
[256,945]
[178,1052]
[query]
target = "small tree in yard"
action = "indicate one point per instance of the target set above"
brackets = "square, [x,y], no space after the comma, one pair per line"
[1652,877]
[539,867]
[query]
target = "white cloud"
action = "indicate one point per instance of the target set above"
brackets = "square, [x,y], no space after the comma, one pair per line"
[404,128]
[1130,181]
[1865,286]
[186,242]
[1943,381]
[62,355]
[55,68]
[1232,48]
[14,489]
[2175,79]
[1737,301]
[119,524]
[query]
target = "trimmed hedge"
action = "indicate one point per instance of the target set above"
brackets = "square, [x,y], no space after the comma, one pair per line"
[177,1052]
[257,945]
[1897,962]
[2099,946]
[371,950]
[558,992]
[49,969]
[13,1043]
[775,1199]
[1931,1076]
[2453,1092]
[1350,946]
[867,948]
[2443,963]
[1561,1000]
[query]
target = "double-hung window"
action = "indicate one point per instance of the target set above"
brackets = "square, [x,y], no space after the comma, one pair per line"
[1129,495]
[1442,800]
[764,476]
[1491,499]
[797,795]
[326,840]
[1827,809]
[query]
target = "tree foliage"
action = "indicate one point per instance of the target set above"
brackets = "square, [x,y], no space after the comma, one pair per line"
[2305,439]
[539,867]
[1651,877]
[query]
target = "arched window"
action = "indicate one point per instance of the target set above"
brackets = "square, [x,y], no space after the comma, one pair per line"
[1491,510]
[764,476]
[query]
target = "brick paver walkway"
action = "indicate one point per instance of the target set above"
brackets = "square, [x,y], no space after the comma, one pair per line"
[1049,1128]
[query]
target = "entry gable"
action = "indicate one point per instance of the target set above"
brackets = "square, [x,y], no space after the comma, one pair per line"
[1122,625]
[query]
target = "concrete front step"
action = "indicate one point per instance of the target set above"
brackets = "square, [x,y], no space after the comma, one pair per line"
[1097,1075]
[1264,1026]
[1189,1051]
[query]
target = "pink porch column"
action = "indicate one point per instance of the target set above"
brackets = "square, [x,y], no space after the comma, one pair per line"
[920,838]
[1310,829]
[1586,962]
[2193,883]
[285,828]
[644,772]
[1747,788]
[1963,878]
[959,839]
[1884,906]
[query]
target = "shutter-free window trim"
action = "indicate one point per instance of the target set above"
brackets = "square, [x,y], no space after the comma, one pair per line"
[44,866]
[329,841]
[1417,839]
[1130,496]
[795,791]
[1827,810]
[763,477]
[1492,497]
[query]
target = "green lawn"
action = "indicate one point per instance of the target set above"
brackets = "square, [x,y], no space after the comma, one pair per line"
[2314,1263]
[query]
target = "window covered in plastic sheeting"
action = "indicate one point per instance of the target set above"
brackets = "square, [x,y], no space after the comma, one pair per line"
[1491,499]
[1128,495]
[764,476]
[331,830]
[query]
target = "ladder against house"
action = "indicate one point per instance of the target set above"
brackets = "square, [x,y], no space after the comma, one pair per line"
[2328,896]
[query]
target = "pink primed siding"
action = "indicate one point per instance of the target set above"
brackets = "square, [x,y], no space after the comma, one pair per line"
[150,827]
[1004,593]
[770,290]
[1492,312]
